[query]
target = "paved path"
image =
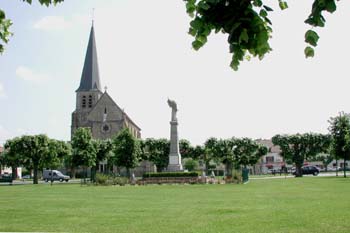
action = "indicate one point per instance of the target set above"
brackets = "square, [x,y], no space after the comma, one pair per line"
[25,182]
[322,174]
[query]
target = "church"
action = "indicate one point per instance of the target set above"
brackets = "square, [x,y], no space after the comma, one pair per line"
[95,109]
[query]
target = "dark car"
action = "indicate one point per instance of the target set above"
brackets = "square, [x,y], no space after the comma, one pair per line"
[309,170]
[6,178]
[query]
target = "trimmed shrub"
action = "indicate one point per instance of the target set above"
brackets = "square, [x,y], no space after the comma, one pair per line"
[120,181]
[170,174]
[191,164]
[101,179]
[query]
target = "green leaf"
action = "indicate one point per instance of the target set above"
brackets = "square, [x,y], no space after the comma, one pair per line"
[267,8]
[202,39]
[330,6]
[283,5]
[234,65]
[311,37]
[192,32]
[197,44]
[257,3]
[244,36]
[203,5]
[309,52]
[263,13]
[196,23]
[191,7]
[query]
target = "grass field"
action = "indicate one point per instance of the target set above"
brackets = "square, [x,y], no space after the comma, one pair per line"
[307,204]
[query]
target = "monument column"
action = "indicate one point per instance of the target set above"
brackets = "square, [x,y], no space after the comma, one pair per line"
[174,155]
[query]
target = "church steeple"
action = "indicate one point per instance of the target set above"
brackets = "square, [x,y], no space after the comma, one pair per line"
[90,78]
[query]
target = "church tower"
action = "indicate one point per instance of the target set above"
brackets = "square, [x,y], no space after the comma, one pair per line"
[89,90]
[96,109]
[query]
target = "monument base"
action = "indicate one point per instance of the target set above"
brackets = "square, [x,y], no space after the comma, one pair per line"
[174,168]
[175,163]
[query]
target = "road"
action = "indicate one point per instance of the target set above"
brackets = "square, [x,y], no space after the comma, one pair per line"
[25,182]
[277,176]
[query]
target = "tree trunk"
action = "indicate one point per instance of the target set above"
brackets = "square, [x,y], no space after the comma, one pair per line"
[93,173]
[228,167]
[336,167]
[35,178]
[14,173]
[298,171]
[206,167]
[72,171]
[128,172]
[51,177]
[344,167]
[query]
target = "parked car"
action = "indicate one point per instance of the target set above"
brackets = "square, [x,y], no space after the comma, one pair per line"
[309,170]
[272,171]
[332,169]
[56,175]
[26,177]
[342,169]
[6,178]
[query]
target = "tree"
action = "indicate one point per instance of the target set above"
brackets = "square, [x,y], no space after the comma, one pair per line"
[221,150]
[340,131]
[157,151]
[247,25]
[247,152]
[57,152]
[33,150]
[83,149]
[2,163]
[299,147]
[325,158]
[185,148]
[191,164]
[5,23]
[11,156]
[209,152]
[126,150]
[103,152]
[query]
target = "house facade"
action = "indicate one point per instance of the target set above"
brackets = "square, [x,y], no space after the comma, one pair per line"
[272,160]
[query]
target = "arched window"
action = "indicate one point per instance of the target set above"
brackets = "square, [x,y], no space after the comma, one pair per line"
[83,102]
[90,101]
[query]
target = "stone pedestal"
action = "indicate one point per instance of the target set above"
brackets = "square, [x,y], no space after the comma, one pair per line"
[174,155]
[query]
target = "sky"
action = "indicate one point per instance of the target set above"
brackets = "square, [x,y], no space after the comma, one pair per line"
[145,57]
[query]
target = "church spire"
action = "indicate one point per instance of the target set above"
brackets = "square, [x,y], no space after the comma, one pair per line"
[90,78]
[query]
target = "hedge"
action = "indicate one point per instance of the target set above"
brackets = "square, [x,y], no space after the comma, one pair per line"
[170,174]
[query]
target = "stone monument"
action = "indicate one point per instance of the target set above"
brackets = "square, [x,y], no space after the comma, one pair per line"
[174,155]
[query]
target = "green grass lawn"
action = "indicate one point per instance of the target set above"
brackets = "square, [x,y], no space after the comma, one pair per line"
[320,204]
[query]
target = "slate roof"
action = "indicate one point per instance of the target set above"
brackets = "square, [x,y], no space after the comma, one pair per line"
[90,78]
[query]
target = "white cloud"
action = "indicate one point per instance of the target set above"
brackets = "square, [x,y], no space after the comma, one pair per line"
[58,23]
[2,92]
[29,75]
[52,23]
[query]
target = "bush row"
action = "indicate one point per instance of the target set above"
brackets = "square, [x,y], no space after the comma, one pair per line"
[170,174]
[102,179]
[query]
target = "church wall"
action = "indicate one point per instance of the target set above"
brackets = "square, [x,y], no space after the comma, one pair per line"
[113,113]
[99,131]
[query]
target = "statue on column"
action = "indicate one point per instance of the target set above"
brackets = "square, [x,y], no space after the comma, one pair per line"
[174,155]
[173,106]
